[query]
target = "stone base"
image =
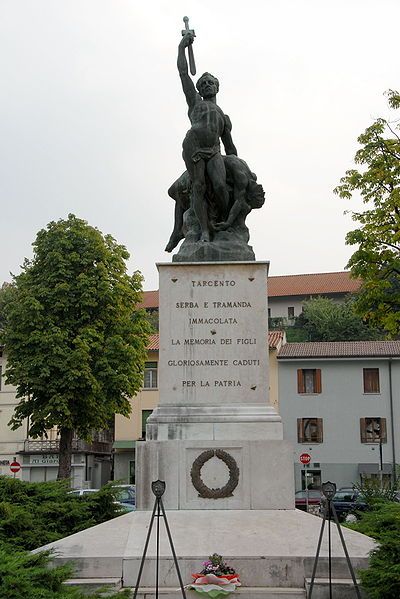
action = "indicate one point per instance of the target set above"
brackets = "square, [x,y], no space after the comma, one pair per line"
[268,548]
[264,474]
[213,251]
[256,422]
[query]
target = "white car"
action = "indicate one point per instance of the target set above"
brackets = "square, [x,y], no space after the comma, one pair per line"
[82,492]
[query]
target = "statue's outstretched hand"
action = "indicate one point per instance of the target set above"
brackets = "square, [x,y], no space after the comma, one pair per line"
[187,39]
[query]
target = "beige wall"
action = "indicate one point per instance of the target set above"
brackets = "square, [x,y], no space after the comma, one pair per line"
[147,399]
[273,379]
[10,441]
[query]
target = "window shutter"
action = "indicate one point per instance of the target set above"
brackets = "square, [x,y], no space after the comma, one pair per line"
[300,381]
[318,381]
[300,430]
[363,430]
[375,381]
[371,380]
[367,381]
[320,430]
[383,430]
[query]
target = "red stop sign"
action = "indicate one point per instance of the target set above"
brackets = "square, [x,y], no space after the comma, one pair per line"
[15,466]
[305,458]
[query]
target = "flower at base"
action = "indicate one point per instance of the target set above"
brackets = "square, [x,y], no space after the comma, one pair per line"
[216,578]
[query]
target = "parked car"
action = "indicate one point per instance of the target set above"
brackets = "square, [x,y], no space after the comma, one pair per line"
[82,492]
[300,498]
[348,501]
[126,496]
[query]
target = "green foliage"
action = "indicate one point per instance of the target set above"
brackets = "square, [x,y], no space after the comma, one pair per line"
[296,334]
[153,318]
[27,576]
[76,344]
[373,492]
[325,320]
[34,514]
[377,259]
[382,579]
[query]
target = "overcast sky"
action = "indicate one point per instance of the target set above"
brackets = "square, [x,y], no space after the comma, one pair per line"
[92,116]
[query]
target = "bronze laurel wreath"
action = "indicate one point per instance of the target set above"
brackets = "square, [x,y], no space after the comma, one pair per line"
[226,490]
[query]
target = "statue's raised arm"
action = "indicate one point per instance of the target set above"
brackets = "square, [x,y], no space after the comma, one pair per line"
[188,86]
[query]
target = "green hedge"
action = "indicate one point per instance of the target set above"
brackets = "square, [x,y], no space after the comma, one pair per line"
[382,579]
[34,514]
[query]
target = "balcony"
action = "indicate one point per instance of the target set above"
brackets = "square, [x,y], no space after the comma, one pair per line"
[78,446]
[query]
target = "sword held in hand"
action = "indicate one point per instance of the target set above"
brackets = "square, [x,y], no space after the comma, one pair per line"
[192,64]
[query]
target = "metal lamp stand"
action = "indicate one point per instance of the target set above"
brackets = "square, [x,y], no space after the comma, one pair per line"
[329,490]
[158,488]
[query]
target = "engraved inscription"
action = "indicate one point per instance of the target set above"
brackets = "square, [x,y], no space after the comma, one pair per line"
[215,341]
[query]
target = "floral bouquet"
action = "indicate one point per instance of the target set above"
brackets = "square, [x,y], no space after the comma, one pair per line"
[216,578]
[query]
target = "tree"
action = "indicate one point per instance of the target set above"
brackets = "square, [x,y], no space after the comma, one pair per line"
[75,341]
[377,259]
[325,320]
[382,522]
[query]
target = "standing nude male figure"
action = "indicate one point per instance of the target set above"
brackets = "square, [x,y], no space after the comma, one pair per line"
[201,146]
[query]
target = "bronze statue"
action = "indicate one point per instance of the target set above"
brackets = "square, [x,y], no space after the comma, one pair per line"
[216,193]
[244,195]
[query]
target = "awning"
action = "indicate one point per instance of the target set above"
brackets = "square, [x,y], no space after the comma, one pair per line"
[127,444]
[374,468]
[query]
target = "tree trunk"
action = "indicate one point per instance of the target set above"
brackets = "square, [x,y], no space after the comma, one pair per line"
[64,465]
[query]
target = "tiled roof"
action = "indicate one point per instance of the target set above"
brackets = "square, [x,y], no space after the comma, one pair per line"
[154,342]
[312,284]
[341,349]
[150,299]
[290,285]
[274,337]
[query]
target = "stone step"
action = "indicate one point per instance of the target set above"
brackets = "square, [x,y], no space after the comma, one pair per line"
[243,592]
[341,587]
[88,585]
[115,584]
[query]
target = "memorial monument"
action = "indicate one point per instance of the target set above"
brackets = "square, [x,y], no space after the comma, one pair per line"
[214,421]
[216,193]
[214,439]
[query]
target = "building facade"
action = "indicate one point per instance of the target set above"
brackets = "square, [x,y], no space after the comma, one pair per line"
[91,462]
[340,402]
[11,442]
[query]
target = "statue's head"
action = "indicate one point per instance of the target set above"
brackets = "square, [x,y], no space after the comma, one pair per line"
[255,193]
[207,85]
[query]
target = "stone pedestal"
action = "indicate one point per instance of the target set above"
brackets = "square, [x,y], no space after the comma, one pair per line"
[219,448]
[215,439]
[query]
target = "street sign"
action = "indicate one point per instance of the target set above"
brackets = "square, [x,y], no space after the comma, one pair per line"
[305,458]
[15,467]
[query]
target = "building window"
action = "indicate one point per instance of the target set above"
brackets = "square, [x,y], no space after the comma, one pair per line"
[371,380]
[310,479]
[269,312]
[309,430]
[290,312]
[145,415]
[150,375]
[309,380]
[131,472]
[373,430]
